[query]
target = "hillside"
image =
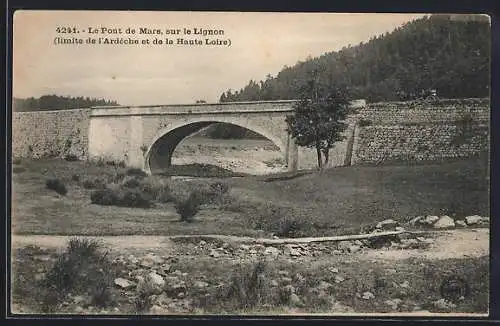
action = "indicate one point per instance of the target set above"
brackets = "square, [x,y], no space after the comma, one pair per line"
[54,102]
[449,53]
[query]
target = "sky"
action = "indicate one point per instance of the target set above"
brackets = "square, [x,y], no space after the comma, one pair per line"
[146,74]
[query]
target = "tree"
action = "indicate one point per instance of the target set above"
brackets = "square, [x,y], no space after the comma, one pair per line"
[319,117]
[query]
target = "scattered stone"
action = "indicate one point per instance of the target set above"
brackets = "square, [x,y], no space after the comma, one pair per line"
[272,251]
[444,222]
[200,284]
[324,285]
[368,295]
[429,220]
[405,285]
[215,253]
[344,245]
[295,300]
[444,305]
[399,229]
[156,280]
[391,271]
[333,269]
[473,219]
[202,243]
[339,279]
[386,224]
[286,280]
[39,276]
[354,248]
[416,220]
[123,283]
[394,303]
[274,283]
[460,223]
[283,273]
[275,237]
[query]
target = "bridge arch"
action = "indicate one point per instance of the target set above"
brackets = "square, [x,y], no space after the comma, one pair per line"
[160,151]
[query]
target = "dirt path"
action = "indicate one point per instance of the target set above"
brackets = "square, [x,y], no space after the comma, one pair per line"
[448,244]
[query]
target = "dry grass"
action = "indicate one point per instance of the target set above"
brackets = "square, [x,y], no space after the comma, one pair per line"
[339,201]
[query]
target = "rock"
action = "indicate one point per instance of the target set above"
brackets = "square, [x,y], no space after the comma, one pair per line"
[272,251]
[295,300]
[158,310]
[244,247]
[290,289]
[274,283]
[390,271]
[39,276]
[460,223]
[354,248]
[368,295]
[339,279]
[443,305]
[344,245]
[275,237]
[444,222]
[399,229]
[166,268]
[202,243]
[416,220]
[333,269]
[123,283]
[286,280]
[215,253]
[283,273]
[150,260]
[473,219]
[200,284]
[429,220]
[405,285]
[394,303]
[324,285]
[156,280]
[294,252]
[386,224]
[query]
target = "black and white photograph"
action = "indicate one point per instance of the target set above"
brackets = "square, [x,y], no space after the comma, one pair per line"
[169,163]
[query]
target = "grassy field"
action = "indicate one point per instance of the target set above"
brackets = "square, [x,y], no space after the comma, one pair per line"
[339,201]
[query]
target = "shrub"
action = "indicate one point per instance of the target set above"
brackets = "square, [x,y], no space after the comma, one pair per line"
[75,177]
[136,172]
[18,169]
[133,198]
[120,197]
[81,270]
[56,185]
[106,197]
[187,208]
[94,183]
[249,288]
[219,187]
[71,158]
[131,182]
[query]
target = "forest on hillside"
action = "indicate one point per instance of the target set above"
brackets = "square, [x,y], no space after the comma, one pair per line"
[54,102]
[448,53]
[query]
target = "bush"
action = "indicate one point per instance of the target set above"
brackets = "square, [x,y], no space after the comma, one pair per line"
[94,183]
[81,270]
[56,185]
[136,172]
[131,182]
[249,288]
[187,208]
[71,158]
[75,177]
[122,197]
[219,187]
[105,197]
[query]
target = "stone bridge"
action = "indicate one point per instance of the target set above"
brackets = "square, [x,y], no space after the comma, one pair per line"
[146,136]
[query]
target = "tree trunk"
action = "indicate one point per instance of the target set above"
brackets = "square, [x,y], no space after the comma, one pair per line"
[320,163]
[326,153]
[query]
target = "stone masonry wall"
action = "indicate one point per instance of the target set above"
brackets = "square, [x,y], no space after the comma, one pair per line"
[419,131]
[50,133]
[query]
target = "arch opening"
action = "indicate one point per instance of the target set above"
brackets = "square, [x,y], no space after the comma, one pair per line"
[254,152]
